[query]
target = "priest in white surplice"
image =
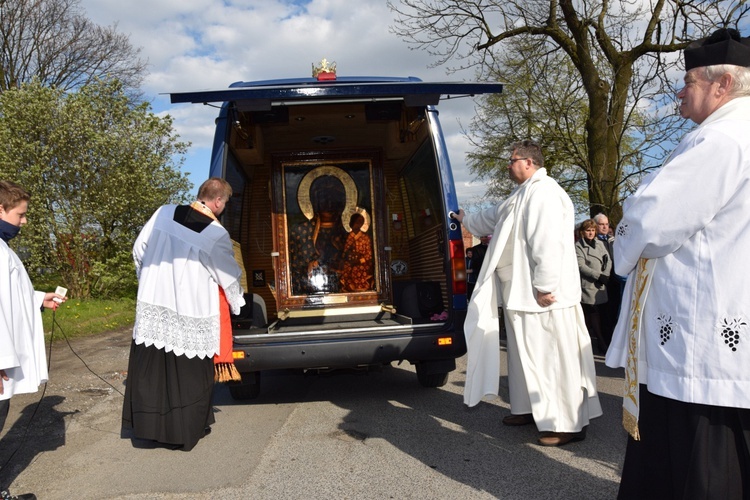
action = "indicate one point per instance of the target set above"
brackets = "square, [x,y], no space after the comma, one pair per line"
[23,364]
[182,256]
[531,269]
[683,335]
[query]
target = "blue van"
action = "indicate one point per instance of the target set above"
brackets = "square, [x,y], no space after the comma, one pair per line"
[342,195]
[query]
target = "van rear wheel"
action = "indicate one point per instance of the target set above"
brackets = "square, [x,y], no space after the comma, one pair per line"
[249,388]
[429,378]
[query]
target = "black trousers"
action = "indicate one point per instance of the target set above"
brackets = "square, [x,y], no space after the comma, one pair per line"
[687,451]
[595,316]
[4,407]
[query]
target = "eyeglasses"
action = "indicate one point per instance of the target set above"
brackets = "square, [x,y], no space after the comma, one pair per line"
[513,160]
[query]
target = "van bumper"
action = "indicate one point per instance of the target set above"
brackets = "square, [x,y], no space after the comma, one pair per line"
[269,352]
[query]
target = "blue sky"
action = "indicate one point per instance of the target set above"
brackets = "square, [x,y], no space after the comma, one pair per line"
[201,44]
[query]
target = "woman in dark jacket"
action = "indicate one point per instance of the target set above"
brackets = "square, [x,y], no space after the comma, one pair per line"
[595,267]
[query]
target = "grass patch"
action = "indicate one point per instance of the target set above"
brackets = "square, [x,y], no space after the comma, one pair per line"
[78,318]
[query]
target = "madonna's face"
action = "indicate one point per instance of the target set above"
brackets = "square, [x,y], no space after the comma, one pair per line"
[328,196]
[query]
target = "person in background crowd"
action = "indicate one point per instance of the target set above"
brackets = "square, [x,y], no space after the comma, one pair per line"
[551,377]
[23,363]
[182,256]
[595,267]
[479,251]
[615,284]
[683,335]
[603,230]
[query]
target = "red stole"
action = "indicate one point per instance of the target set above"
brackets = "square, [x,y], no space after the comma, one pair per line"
[224,369]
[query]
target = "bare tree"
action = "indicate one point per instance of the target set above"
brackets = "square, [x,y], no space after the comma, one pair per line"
[52,41]
[542,99]
[617,48]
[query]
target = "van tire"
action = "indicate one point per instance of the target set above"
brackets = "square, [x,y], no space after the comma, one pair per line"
[431,379]
[249,388]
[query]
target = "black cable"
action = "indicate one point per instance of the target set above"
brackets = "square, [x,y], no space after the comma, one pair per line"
[54,322]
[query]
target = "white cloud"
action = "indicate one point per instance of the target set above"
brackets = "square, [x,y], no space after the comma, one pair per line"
[199,44]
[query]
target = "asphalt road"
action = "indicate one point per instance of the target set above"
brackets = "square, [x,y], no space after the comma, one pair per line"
[343,435]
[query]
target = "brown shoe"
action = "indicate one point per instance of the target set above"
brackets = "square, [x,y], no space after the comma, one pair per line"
[516,420]
[561,438]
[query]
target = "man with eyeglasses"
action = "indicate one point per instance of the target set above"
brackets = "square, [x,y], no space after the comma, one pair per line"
[551,375]
[183,257]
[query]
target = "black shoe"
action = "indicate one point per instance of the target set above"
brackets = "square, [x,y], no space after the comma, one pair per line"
[5,495]
[516,420]
[561,438]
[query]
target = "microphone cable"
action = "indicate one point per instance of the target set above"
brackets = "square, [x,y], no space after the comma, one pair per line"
[54,321]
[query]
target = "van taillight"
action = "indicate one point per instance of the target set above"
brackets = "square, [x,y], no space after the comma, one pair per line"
[458,266]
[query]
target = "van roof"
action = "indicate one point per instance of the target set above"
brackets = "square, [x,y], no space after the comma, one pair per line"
[411,89]
[315,81]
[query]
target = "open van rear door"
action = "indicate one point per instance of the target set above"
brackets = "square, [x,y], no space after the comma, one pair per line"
[342,190]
